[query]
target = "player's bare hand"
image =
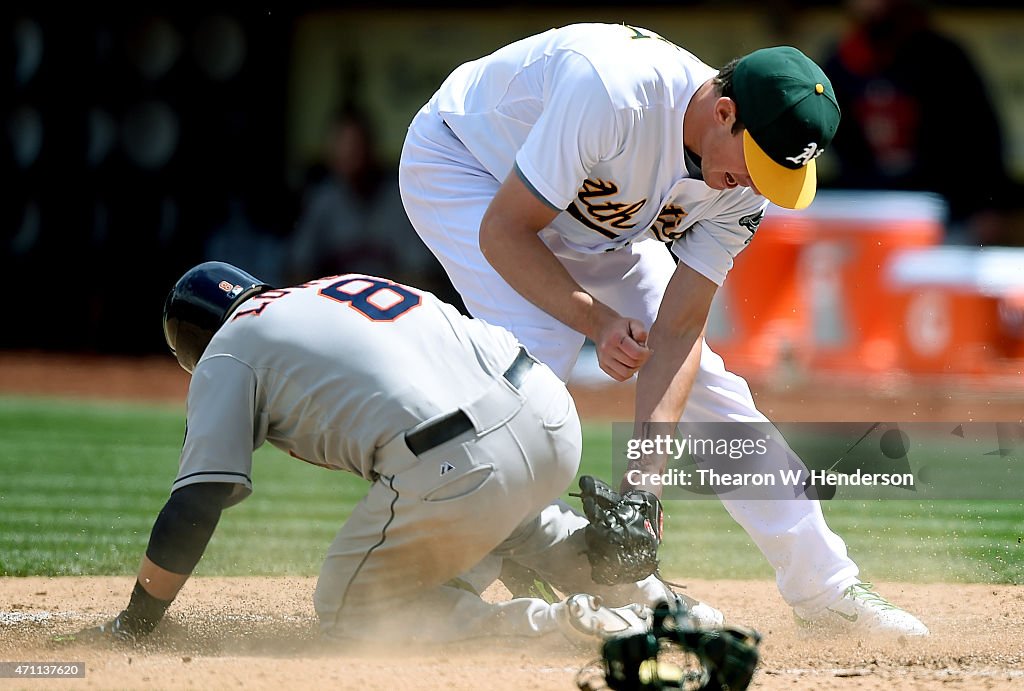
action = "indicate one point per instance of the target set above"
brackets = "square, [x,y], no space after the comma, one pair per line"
[622,348]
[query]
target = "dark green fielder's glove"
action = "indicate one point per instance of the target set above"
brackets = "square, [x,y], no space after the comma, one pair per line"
[624,532]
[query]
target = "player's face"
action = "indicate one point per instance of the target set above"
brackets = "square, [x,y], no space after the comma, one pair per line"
[723,165]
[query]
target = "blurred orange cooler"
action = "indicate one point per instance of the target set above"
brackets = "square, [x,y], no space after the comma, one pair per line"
[961,309]
[808,291]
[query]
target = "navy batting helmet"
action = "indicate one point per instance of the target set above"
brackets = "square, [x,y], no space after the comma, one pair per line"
[200,302]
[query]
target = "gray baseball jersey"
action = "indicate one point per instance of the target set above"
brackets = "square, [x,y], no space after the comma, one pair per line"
[591,117]
[328,372]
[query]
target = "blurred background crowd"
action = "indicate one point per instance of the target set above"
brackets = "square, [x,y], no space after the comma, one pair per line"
[138,142]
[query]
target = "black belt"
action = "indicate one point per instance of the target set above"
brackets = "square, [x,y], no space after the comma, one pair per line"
[454,424]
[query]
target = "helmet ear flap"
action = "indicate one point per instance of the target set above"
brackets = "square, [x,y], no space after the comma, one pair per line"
[170,323]
[199,304]
[194,340]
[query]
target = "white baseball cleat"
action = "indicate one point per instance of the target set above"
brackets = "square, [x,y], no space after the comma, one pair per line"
[584,620]
[703,614]
[862,611]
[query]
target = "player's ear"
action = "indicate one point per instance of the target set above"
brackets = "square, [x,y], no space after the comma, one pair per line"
[725,111]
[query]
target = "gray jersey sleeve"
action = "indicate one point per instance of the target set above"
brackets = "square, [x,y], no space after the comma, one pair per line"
[220,434]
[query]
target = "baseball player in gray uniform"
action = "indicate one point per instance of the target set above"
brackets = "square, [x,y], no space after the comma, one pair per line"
[465,438]
[555,178]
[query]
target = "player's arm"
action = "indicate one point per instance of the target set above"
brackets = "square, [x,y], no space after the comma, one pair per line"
[177,542]
[509,241]
[664,383]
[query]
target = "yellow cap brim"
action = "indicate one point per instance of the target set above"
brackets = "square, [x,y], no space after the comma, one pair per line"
[786,187]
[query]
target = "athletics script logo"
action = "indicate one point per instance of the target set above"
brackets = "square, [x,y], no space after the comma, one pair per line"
[595,196]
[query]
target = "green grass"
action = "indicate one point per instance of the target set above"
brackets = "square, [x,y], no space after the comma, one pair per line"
[80,485]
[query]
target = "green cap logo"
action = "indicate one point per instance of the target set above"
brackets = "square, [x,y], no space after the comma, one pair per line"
[790,112]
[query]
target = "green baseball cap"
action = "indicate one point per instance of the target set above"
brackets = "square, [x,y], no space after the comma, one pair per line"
[790,113]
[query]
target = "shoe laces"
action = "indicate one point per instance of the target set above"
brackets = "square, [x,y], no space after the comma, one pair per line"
[865,593]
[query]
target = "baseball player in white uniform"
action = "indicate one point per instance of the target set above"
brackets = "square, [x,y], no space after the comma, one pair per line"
[555,178]
[465,438]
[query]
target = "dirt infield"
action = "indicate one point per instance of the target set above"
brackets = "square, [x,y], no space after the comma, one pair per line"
[260,633]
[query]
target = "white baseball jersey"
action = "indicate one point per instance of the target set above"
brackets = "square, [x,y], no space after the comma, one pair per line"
[328,372]
[591,118]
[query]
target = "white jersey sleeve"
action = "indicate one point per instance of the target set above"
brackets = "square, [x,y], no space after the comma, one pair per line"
[220,432]
[711,244]
[578,128]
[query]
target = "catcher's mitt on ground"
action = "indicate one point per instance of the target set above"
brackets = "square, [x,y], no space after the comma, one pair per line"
[624,532]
